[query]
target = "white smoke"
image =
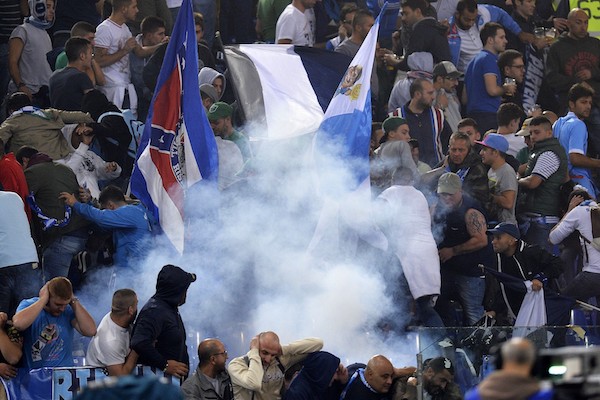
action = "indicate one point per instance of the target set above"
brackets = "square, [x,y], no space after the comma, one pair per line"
[248,247]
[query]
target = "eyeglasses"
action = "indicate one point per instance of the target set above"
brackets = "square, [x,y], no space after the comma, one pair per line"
[522,66]
[224,353]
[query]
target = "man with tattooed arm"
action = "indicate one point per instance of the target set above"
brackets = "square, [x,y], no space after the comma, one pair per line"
[459,226]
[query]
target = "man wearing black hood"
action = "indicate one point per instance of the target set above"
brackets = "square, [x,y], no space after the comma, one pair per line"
[158,334]
[322,377]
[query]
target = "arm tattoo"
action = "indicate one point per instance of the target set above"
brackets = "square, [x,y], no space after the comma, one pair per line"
[475,222]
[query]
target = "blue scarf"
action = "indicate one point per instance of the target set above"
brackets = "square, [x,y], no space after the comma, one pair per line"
[48,222]
[37,8]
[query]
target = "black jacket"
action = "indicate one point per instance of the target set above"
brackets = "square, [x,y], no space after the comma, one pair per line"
[528,262]
[430,36]
[159,334]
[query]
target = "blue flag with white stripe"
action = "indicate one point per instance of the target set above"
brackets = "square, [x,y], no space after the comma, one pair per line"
[342,144]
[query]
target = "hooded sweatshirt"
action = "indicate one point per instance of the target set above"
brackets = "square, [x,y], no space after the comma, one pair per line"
[501,385]
[430,36]
[159,334]
[208,75]
[568,56]
[313,380]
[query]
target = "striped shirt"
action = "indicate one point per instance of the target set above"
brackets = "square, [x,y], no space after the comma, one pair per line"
[547,164]
[10,18]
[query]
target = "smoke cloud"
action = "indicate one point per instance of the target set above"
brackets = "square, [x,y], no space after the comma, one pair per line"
[248,246]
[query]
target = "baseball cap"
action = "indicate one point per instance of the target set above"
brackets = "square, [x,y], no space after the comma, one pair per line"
[447,69]
[392,123]
[449,183]
[505,227]
[494,141]
[525,128]
[219,110]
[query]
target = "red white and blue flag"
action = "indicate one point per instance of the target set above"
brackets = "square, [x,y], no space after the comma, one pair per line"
[178,148]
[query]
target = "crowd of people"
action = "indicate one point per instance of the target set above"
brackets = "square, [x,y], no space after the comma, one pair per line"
[484,151]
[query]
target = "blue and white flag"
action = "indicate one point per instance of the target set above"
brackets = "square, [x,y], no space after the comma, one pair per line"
[178,148]
[347,121]
[344,138]
[283,89]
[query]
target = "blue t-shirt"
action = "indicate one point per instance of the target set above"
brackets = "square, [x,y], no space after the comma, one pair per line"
[48,342]
[478,99]
[572,134]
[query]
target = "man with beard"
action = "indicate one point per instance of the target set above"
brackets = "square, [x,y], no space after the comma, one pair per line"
[467,164]
[572,134]
[158,334]
[109,348]
[220,116]
[211,380]
[438,382]
[483,84]
[427,123]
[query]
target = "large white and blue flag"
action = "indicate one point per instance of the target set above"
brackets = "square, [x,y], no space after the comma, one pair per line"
[283,89]
[344,137]
[178,149]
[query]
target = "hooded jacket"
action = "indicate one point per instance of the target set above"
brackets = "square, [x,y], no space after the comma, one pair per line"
[159,334]
[313,381]
[430,36]
[208,75]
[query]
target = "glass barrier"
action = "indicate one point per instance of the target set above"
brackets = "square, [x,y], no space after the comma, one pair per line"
[566,355]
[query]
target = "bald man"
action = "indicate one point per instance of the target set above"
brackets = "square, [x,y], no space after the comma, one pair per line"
[259,374]
[574,58]
[211,380]
[514,380]
[374,381]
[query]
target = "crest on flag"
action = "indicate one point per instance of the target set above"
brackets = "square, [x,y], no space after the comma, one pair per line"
[348,86]
[178,148]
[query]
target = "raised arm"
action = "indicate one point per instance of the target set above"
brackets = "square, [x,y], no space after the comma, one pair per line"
[83,322]
[247,375]
[25,317]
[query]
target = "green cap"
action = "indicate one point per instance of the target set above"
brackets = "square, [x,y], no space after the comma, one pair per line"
[392,123]
[449,183]
[219,110]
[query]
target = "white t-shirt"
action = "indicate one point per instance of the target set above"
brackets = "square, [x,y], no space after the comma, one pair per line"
[110,346]
[470,46]
[16,244]
[515,143]
[296,26]
[579,219]
[111,36]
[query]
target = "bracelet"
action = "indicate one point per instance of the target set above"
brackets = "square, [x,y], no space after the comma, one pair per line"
[74,300]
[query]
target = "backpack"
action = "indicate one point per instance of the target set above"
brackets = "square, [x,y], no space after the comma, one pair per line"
[595,217]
